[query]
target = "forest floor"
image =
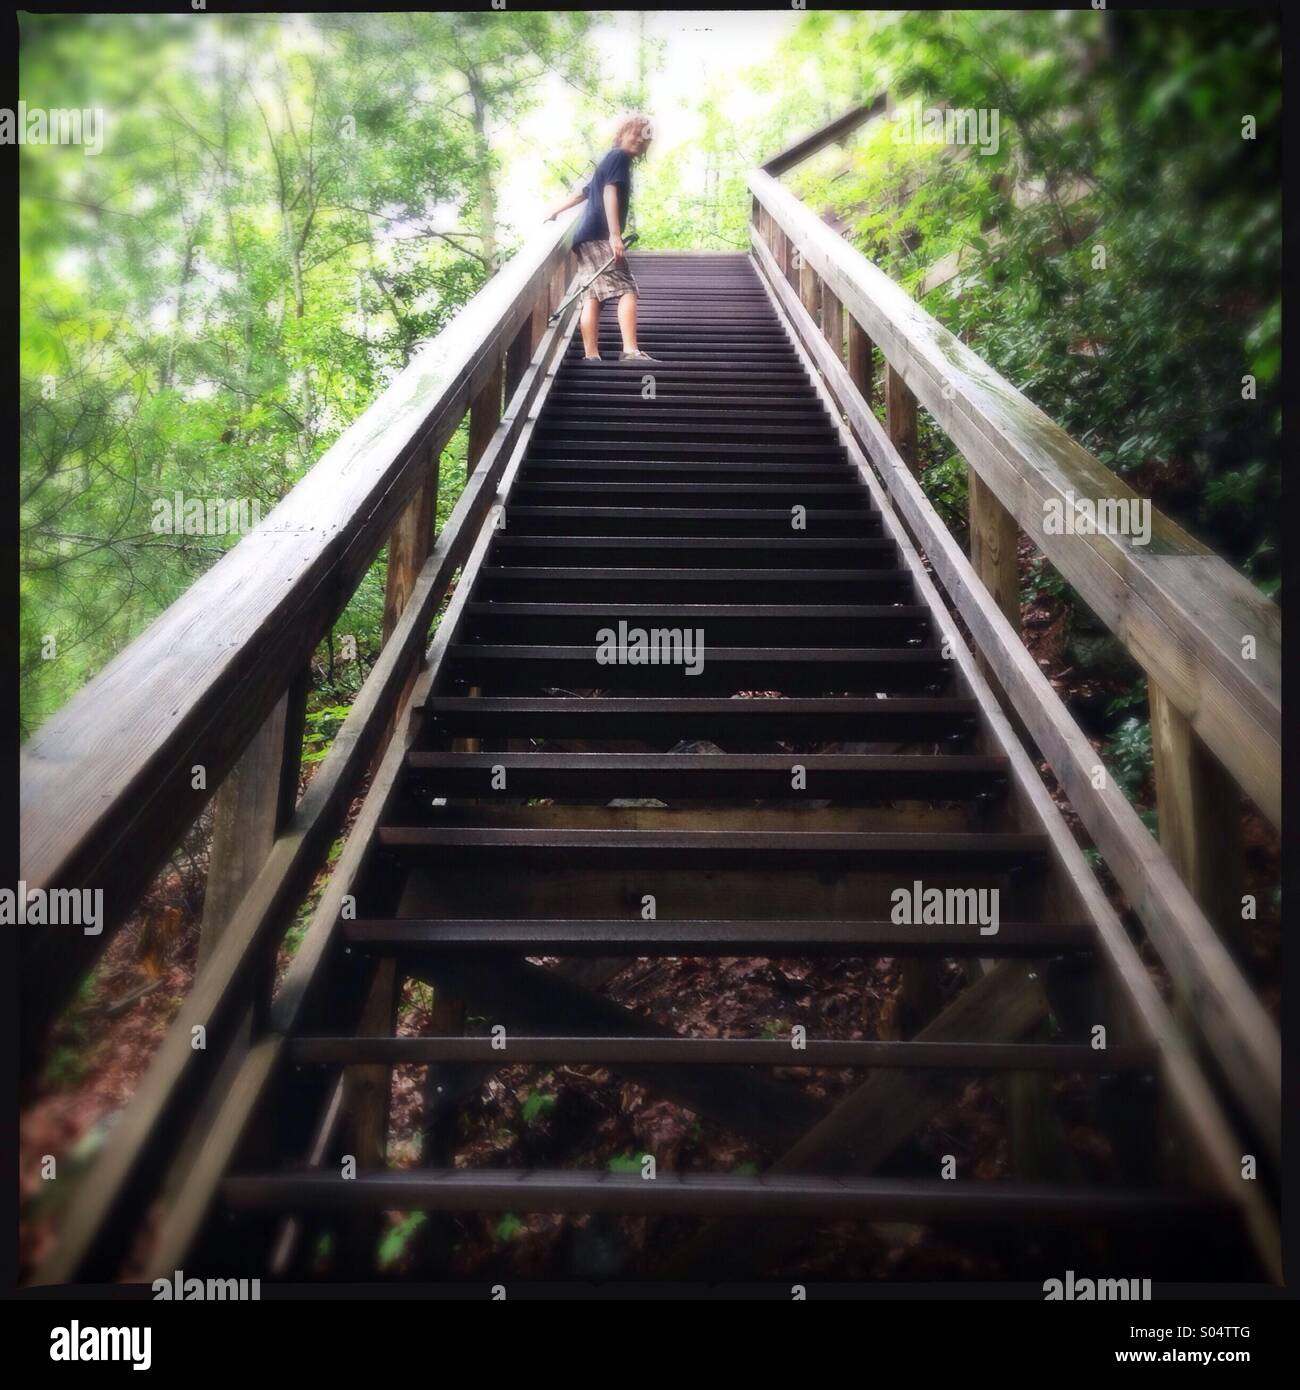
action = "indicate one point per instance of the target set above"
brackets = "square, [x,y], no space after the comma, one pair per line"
[588,1117]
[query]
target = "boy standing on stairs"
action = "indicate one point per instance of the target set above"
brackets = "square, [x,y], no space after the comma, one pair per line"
[598,237]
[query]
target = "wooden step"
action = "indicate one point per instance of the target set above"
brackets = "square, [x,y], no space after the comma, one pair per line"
[698,552]
[776,937]
[980,854]
[573,583]
[842,777]
[580,426]
[529,520]
[793,670]
[687,472]
[1061,1058]
[730,723]
[830,625]
[695,494]
[755,448]
[715,1194]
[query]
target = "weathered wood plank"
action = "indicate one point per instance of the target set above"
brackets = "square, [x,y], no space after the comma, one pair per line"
[306,974]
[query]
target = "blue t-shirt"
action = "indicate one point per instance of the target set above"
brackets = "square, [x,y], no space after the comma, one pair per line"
[616,168]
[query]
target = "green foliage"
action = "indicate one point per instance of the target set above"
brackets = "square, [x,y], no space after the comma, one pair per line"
[285,209]
[508,1227]
[1128,755]
[536,1106]
[625,1163]
[396,1239]
[322,725]
[1140,113]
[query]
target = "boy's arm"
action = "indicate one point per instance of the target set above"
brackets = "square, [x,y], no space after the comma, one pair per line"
[615,225]
[571,201]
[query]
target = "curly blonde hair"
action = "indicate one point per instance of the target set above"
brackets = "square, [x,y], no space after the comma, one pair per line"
[635,120]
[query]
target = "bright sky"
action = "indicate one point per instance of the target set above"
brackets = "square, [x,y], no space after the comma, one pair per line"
[700,47]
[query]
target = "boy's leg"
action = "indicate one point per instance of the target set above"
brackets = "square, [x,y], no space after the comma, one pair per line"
[591,326]
[627,321]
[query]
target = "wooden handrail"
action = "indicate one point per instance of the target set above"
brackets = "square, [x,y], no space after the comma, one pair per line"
[826,135]
[1205,635]
[1243,1040]
[110,782]
[102,1217]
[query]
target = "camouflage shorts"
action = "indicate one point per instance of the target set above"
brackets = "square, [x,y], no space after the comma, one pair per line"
[617,280]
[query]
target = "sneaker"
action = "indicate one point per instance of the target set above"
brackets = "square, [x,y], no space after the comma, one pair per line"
[597,358]
[637,356]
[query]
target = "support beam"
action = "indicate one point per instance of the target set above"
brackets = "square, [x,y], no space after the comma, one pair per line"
[870,1124]
[529,997]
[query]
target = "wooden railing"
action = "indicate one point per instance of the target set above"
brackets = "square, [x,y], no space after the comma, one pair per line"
[386,468]
[210,699]
[1208,640]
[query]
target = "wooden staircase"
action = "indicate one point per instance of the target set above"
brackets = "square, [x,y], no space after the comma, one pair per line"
[508,817]
[547,805]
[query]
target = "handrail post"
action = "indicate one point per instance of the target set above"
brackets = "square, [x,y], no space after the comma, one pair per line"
[1199,807]
[409,547]
[900,418]
[484,416]
[833,321]
[518,355]
[809,295]
[994,540]
[861,362]
[250,808]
